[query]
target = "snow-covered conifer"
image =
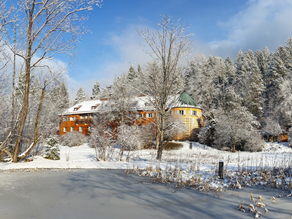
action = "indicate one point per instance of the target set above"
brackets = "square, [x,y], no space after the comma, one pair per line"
[52,150]
[95,90]
[131,75]
[249,83]
[80,96]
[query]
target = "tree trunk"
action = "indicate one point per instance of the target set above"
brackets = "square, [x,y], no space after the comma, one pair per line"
[157,131]
[39,113]
[233,146]
[24,109]
[160,147]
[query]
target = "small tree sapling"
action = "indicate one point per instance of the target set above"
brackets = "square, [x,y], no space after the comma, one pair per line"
[52,150]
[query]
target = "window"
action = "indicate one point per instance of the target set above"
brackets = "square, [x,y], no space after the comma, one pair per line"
[72,118]
[94,107]
[140,116]
[181,112]
[72,129]
[149,115]
[65,119]
[65,129]
[194,113]
[80,129]
[77,108]
[81,117]
[110,128]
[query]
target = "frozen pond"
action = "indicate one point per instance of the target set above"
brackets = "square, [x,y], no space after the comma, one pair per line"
[112,194]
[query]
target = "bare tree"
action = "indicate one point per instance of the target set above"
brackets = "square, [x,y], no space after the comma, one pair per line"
[162,79]
[47,27]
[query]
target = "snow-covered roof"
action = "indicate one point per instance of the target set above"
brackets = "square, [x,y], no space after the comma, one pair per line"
[89,106]
[143,103]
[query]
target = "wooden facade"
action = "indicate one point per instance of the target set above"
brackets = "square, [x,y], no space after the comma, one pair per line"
[75,122]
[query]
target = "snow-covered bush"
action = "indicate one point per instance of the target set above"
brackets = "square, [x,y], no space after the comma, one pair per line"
[237,128]
[52,150]
[206,135]
[272,129]
[175,126]
[129,139]
[233,129]
[102,139]
[147,137]
[73,139]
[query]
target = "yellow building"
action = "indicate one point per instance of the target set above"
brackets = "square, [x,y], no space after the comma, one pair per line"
[187,110]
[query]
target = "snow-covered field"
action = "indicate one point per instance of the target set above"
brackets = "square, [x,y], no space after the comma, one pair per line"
[187,166]
[205,158]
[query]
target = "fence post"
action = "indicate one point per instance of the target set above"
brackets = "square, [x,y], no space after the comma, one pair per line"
[191,145]
[220,172]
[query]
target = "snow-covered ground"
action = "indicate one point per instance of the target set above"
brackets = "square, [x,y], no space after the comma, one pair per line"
[196,165]
[205,158]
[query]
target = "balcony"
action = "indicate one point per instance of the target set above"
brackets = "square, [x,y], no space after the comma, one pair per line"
[83,121]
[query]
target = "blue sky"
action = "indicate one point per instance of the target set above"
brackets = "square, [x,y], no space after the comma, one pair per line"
[220,28]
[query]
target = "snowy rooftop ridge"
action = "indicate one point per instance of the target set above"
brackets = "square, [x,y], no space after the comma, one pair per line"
[139,103]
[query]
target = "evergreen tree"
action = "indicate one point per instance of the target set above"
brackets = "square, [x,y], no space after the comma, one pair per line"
[230,70]
[52,150]
[131,75]
[250,85]
[95,91]
[139,69]
[80,96]
[64,96]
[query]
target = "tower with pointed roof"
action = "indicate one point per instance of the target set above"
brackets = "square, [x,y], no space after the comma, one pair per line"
[186,109]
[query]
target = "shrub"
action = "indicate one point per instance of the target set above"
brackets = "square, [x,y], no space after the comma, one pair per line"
[73,139]
[235,129]
[172,146]
[52,149]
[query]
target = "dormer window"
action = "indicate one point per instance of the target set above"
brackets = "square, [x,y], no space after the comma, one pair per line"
[77,108]
[94,107]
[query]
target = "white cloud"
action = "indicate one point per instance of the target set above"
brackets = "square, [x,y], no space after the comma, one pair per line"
[262,23]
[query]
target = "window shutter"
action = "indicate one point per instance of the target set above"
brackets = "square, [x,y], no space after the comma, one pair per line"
[185,112]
